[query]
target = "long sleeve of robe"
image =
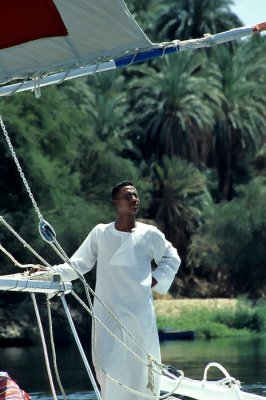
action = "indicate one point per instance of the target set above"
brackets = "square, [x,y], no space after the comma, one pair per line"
[123,283]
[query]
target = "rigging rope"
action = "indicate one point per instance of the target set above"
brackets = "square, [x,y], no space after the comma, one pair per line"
[129,389]
[89,291]
[48,233]
[25,244]
[45,229]
[21,173]
[15,261]
[163,369]
[228,381]
[50,322]
[84,358]
[44,345]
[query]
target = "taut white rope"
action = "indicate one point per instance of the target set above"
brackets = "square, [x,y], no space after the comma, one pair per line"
[44,346]
[53,348]
[84,358]
[162,367]
[25,244]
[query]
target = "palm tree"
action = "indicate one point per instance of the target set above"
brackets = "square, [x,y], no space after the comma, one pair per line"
[180,194]
[241,131]
[185,19]
[176,107]
[104,101]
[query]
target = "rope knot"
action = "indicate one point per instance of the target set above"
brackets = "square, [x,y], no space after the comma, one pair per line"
[150,384]
[209,39]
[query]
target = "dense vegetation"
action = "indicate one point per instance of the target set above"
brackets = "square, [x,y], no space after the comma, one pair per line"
[213,318]
[188,130]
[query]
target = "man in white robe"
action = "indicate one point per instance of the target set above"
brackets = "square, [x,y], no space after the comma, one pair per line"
[123,251]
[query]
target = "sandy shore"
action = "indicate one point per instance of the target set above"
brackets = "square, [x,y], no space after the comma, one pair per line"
[169,307]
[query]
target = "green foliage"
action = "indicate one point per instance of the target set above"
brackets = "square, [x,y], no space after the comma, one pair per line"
[239,131]
[176,109]
[44,135]
[203,109]
[101,167]
[246,315]
[186,19]
[207,107]
[230,243]
[203,323]
[180,193]
[244,319]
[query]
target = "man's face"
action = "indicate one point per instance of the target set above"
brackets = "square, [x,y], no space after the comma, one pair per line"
[127,200]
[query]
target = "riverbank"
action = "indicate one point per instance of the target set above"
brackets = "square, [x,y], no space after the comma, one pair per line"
[209,318]
[212,318]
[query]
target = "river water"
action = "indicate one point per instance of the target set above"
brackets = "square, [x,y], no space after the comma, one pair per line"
[244,359]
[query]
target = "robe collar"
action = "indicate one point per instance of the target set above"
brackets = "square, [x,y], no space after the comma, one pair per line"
[125,253]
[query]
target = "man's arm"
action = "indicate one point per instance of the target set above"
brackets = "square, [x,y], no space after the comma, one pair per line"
[167,260]
[83,259]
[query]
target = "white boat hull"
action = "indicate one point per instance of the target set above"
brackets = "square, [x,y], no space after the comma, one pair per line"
[202,390]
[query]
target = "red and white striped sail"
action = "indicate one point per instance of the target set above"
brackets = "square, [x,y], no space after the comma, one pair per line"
[44,36]
[43,42]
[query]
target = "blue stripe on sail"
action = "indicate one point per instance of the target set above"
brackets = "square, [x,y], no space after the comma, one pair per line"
[147,55]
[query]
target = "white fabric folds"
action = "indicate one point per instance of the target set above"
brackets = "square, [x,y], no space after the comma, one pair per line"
[123,283]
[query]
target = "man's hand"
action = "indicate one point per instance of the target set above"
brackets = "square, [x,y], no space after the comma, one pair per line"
[37,268]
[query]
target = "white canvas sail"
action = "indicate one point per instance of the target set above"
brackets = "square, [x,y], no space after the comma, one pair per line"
[88,31]
[48,41]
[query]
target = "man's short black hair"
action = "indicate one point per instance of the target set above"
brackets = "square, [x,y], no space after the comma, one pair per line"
[116,188]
